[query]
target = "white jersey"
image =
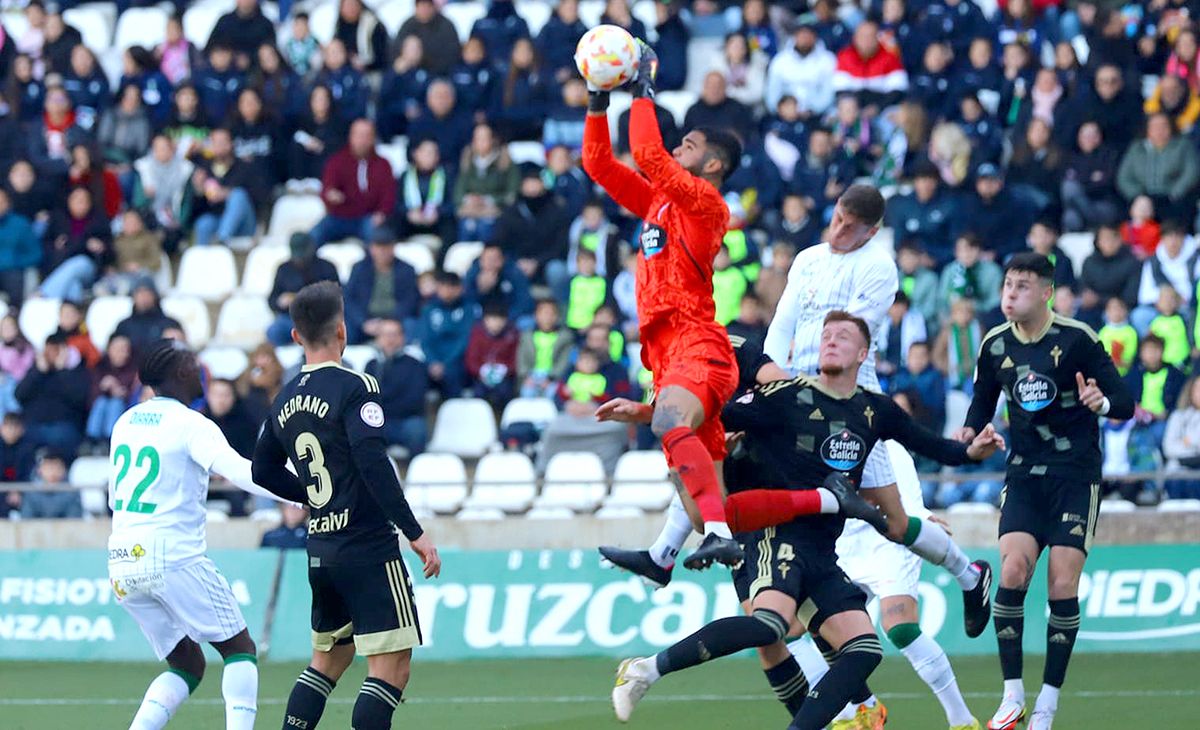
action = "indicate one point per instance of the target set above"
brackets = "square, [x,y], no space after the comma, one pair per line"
[863,282]
[162,455]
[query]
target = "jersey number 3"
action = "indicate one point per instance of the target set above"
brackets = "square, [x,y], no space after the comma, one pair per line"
[320,491]
[123,455]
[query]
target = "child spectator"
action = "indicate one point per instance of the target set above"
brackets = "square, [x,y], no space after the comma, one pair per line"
[585,384]
[773,278]
[1043,238]
[543,352]
[187,125]
[446,324]
[61,504]
[1155,386]
[971,276]
[729,286]
[1141,231]
[588,290]
[918,282]
[16,460]
[624,294]
[957,346]
[349,86]
[606,322]
[16,358]
[301,50]
[592,231]
[918,374]
[852,134]
[796,226]
[1181,442]
[564,124]
[491,357]
[1118,336]
[113,381]
[897,334]
[71,325]
[1064,301]
[1169,324]
[219,83]
[750,323]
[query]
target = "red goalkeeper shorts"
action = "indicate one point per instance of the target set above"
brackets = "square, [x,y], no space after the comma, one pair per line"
[701,361]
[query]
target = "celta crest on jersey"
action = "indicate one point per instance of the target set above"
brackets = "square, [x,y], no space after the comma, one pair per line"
[1035,391]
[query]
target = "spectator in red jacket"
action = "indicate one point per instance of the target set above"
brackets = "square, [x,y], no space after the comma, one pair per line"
[870,71]
[492,357]
[358,188]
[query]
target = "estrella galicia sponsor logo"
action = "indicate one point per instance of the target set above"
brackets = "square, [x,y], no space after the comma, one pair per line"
[1035,391]
[843,450]
[653,240]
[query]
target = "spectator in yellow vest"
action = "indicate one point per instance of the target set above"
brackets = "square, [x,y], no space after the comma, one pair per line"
[543,352]
[588,291]
[1169,325]
[1119,337]
[586,384]
[729,285]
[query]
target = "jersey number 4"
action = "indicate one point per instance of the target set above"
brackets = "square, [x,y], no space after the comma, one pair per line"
[123,456]
[320,490]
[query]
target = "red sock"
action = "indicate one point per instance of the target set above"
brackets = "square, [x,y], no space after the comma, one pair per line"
[696,471]
[755,509]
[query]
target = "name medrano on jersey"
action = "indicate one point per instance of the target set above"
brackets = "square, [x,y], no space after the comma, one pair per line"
[302,404]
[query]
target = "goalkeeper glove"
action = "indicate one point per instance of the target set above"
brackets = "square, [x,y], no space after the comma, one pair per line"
[597,99]
[642,84]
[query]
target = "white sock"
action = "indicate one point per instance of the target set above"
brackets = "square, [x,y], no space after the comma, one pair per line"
[810,660]
[1047,700]
[1014,689]
[935,545]
[848,712]
[163,697]
[933,666]
[239,687]
[829,503]
[675,533]
[718,528]
[648,668]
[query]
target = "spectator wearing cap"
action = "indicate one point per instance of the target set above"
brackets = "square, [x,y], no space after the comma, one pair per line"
[803,71]
[358,189]
[224,190]
[51,471]
[147,323]
[219,82]
[714,108]
[54,396]
[558,37]
[500,28]
[446,322]
[437,34]
[1117,109]
[316,138]
[365,37]
[1088,191]
[494,280]
[21,250]
[380,287]
[868,70]
[77,247]
[671,45]
[302,269]
[532,231]
[487,180]
[403,382]
[443,120]
[1164,167]
[243,30]
[998,217]
[926,215]
[424,199]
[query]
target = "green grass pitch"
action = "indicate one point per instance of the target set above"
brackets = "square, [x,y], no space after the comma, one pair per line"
[1158,691]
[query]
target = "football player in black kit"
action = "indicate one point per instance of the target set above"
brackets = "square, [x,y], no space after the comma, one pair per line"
[829,426]
[328,422]
[1058,381]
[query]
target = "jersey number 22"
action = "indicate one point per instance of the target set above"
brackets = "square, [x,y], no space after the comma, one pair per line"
[123,455]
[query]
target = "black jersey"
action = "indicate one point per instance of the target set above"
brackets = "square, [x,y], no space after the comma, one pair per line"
[1051,433]
[753,463]
[329,423]
[802,433]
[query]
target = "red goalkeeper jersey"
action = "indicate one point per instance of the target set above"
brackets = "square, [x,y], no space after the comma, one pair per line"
[685,219]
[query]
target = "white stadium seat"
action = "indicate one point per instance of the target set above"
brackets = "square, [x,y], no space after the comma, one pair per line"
[200,19]
[536,13]
[1077,247]
[39,319]
[463,16]
[641,479]
[957,405]
[164,279]
[676,102]
[103,316]
[192,314]
[145,27]
[226,363]
[290,356]
[416,255]
[94,502]
[503,481]
[393,13]
[243,322]
[618,102]
[643,10]
[207,272]
[461,255]
[322,20]
[972,508]
[538,411]
[464,426]
[258,276]
[590,12]
[619,513]
[437,482]
[1179,505]
[575,480]
[89,471]
[527,152]
[217,515]
[1116,505]
[480,514]
[396,155]
[356,357]
[95,22]
[297,213]
[549,513]
[343,256]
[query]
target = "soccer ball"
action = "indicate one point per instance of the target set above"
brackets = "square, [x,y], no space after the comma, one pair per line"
[607,56]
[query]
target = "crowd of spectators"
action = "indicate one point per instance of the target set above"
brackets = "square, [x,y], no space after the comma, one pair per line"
[992,130]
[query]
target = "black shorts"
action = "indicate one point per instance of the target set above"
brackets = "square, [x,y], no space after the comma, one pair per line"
[373,603]
[1055,511]
[776,562]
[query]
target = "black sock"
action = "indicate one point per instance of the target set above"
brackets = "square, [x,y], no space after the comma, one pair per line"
[859,695]
[306,704]
[1060,639]
[856,660]
[1008,615]
[789,683]
[376,702]
[722,638]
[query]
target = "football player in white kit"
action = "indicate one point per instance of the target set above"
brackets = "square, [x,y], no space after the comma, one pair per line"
[162,455]
[851,274]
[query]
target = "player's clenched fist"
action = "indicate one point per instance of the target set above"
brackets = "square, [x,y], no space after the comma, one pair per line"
[428,553]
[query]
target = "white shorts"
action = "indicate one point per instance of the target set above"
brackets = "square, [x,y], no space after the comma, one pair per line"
[194,601]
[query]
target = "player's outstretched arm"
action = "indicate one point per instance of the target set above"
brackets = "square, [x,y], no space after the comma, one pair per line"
[983,403]
[629,189]
[692,194]
[898,425]
[210,449]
